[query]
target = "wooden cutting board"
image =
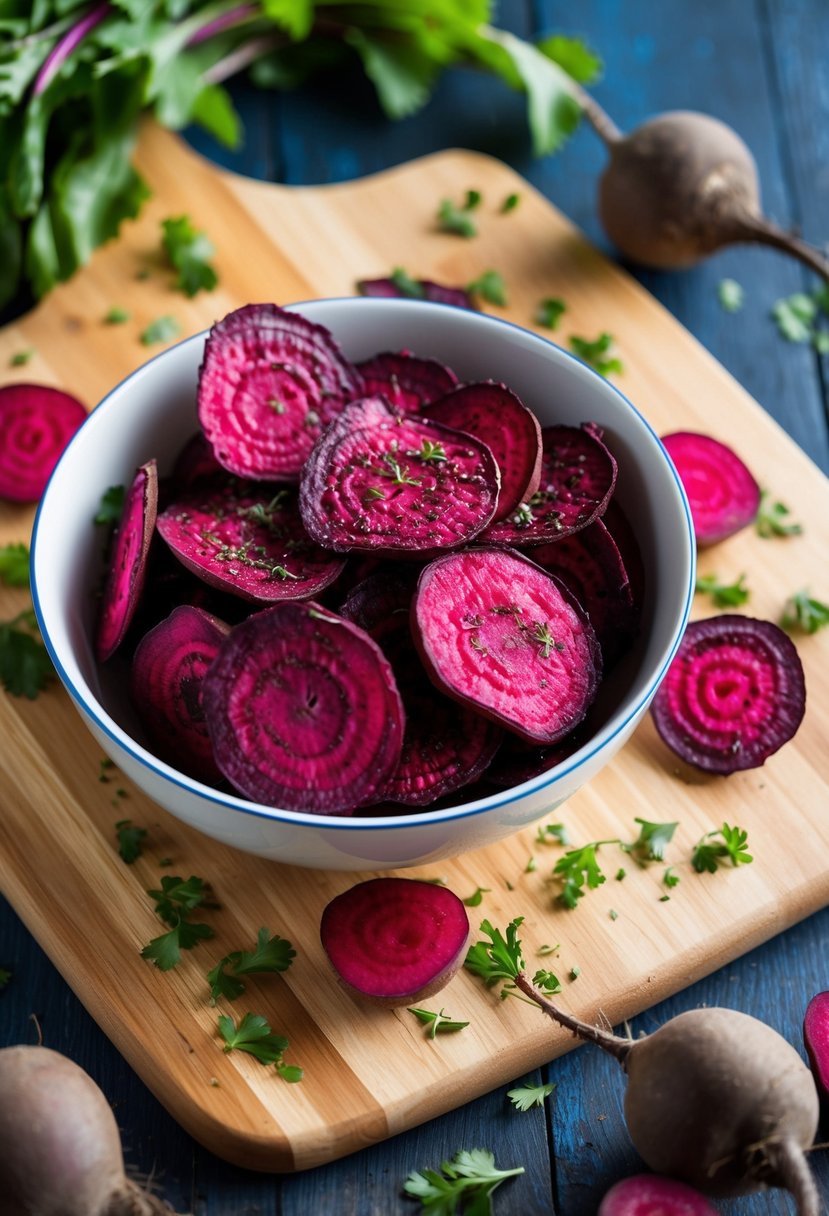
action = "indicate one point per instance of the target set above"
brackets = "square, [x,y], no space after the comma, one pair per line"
[369,1072]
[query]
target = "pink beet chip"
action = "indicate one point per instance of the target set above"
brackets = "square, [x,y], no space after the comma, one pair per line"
[303,711]
[722,492]
[128,561]
[653,1195]
[816,1038]
[407,382]
[497,632]
[36,423]
[269,383]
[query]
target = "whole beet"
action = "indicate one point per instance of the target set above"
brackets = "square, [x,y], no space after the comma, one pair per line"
[60,1151]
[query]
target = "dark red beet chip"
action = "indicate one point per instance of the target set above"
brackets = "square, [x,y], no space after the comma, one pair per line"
[248,540]
[128,561]
[395,940]
[444,747]
[578,475]
[733,695]
[194,463]
[168,671]
[517,761]
[406,381]
[590,564]
[816,1039]
[269,383]
[492,413]
[497,632]
[303,711]
[382,482]
[722,493]
[36,423]
[425,289]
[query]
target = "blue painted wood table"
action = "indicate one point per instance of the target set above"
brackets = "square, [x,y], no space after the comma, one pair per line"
[763,66]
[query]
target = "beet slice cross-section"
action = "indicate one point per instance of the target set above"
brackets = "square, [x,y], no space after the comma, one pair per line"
[249,540]
[499,633]
[395,940]
[128,561]
[405,380]
[36,423]
[492,413]
[395,288]
[303,711]
[578,475]
[270,382]
[168,671]
[395,483]
[722,492]
[733,695]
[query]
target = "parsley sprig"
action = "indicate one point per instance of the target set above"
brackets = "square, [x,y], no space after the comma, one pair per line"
[525,1097]
[189,252]
[725,843]
[469,1179]
[437,1023]
[579,869]
[270,954]
[130,839]
[254,1036]
[176,899]
[14,565]
[802,612]
[651,842]
[773,518]
[499,959]
[724,595]
[599,354]
[25,666]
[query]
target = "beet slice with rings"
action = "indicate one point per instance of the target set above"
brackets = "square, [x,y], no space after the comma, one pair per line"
[168,670]
[445,747]
[722,492]
[383,482]
[418,289]
[495,415]
[497,632]
[36,423]
[303,711]
[406,381]
[127,569]
[269,383]
[395,940]
[590,564]
[733,695]
[248,539]
[578,475]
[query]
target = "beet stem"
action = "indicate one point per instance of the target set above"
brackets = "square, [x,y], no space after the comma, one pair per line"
[759,230]
[793,1173]
[596,115]
[611,1043]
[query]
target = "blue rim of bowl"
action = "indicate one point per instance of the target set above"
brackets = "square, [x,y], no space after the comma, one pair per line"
[344,823]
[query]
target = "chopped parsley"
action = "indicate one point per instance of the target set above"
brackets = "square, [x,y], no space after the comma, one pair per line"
[269,955]
[721,845]
[731,295]
[189,252]
[599,354]
[773,518]
[437,1023]
[550,312]
[456,220]
[163,329]
[724,595]
[14,565]
[491,287]
[804,613]
[130,839]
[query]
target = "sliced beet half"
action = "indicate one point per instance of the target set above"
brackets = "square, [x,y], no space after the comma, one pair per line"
[395,940]
[128,557]
[388,483]
[36,423]
[722,492]
[247,539]
[406,381]
[303,711]
[419,289]
[495,415]
[445,747]
[498,633]
[269,383]
[578,475]
[168,670]
[733,695]
[590,564]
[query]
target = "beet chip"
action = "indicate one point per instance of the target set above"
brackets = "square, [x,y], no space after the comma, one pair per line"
[128,561]
[722,493]
[733,695]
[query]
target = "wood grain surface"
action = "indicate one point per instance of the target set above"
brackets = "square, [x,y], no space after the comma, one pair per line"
[370,1073]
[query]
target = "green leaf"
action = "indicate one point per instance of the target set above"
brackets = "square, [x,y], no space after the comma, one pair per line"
[490,285]
[474,900]
[25,666]
[802,612]
[437,1023]
[222,984]
[213,109]
[548,982]
[117,316]
[467,1181]
[295,16]
[189,252]
[253,1035]
[550,311]
[710,852]
[598,354]
[178,895]
[291,1073]
[510,203]
[579,868]
[525,1097]
[820,341]
[455,220]
[130,840]
[405,284]
[724,595]
[14,565]
[269,954]
[163,329]
[795,315]
[402,72]
[165,950]
[552,833]
[21,357]
[111,507]
[498,959]
[574,56]
[652,840]
[773,518]
[669,878]
[731,295]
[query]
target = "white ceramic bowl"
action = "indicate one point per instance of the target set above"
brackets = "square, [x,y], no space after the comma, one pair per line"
[153,412]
